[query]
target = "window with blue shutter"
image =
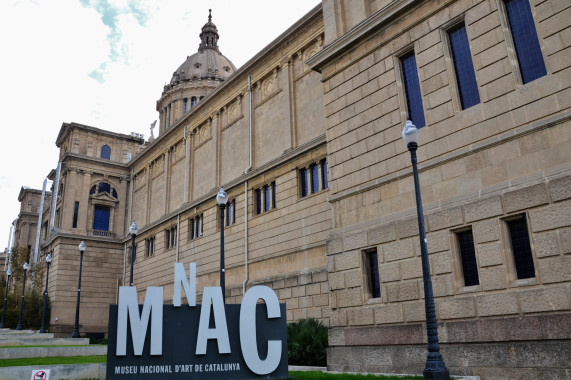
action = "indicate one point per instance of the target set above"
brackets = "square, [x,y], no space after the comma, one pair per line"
[105,152]
[463,67]
[412,90]
[101,218]
[525,40]
[303,182]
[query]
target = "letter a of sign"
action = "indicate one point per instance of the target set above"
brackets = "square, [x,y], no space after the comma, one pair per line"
[212,296]
[128,305]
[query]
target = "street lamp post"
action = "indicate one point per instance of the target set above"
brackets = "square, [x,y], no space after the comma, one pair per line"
[435,367]
[48,262]
[19,327]
[75,333]
[8,274]
[222,199]
[133,231]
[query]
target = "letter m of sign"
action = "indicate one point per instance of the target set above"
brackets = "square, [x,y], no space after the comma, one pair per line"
[128,305]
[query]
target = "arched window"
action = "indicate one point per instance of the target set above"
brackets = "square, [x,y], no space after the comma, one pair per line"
[185,105]
[193,101]
[106,152]
[103,187]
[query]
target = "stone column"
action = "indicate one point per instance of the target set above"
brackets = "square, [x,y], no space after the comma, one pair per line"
[68,206]
[83,204]
[120,228]
[166,171]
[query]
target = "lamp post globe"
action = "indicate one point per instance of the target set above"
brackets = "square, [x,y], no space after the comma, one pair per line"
[222,199]
[8,274]
[26,267]
[75,333]
[435,367]
[48,262]
[133,231]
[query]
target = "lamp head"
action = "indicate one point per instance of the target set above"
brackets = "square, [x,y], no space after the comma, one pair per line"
[410,133]
[221,198]
[82,246]
[26,266]
[49,258]
[133,229]
[8,272]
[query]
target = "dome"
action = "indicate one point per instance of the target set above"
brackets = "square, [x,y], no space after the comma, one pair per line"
[207,63]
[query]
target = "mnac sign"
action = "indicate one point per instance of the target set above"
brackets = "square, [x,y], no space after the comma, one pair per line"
[211,340]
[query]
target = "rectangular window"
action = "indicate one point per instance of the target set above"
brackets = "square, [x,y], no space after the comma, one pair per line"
[191,228]
[525,40]
[231,212]
[75,213]
[463,67]
[468,258]
[101,218]
[150,246]
[258,196]
[185,100]
[521,248]
[324,179]
[303,182]
[266,198]
[274,195]
[313,169]
[412,90]
[199,220]
[373,271]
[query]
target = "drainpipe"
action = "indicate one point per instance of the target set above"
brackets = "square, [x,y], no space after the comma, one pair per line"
[246,274]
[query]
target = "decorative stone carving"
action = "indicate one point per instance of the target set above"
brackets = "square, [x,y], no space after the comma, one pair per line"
[158,166]
[235,109]
[140,179]
[312,49]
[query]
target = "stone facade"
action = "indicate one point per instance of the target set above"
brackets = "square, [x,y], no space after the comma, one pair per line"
[306,140]
[506,157]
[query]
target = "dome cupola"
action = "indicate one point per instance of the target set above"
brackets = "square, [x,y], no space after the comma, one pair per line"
[198,75]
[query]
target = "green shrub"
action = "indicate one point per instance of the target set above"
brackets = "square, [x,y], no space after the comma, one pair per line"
[307,343]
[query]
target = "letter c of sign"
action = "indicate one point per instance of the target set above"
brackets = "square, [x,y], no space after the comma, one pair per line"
[248,330]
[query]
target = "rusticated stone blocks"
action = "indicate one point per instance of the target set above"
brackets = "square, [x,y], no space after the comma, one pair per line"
[527,197]
[548,299]
[445,218]
[483,209]
[550,217]
[497,304]
[560,188]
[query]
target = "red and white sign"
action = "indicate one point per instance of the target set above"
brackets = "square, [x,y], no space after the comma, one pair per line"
[40,374]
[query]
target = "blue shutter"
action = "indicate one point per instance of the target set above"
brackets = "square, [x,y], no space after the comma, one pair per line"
[101,218]
[525,40]
[324,174]
[463,67]
[303,182]
[258,196]
[314,178]
[266,198]
[105,152]
[412,90]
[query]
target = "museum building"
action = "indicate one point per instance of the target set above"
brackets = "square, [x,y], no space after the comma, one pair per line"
[306,140]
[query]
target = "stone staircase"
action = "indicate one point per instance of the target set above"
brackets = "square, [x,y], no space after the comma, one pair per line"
[31,344]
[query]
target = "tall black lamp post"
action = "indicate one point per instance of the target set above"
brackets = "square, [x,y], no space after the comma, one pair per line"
[133,231]
[75,333]
[19,327]
[222,199]
[435,367]
[48,262]
[8,274]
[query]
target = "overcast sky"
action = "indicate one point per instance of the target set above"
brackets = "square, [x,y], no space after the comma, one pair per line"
[104,64]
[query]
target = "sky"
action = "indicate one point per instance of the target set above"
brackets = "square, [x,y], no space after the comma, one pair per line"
[104,64]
